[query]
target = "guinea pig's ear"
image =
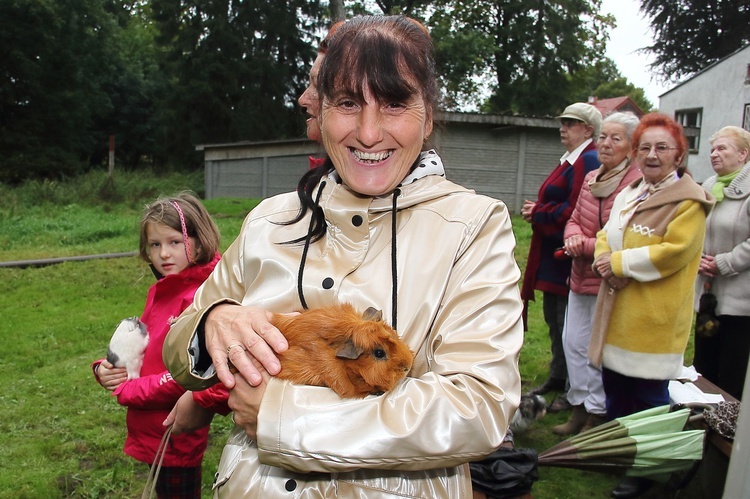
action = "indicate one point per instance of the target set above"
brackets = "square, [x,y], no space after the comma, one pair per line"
[371,314]
[349,350]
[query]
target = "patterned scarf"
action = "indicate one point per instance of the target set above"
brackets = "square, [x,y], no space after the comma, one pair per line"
[604,184]
[644,191]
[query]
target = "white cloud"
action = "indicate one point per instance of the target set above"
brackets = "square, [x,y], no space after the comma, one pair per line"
[632,33]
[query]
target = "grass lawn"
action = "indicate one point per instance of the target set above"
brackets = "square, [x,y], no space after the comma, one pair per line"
[61,434]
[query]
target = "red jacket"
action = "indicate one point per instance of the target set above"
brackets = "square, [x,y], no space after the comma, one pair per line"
[588,218]
[150,398]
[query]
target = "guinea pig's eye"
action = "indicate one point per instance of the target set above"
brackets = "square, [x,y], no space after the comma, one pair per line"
[379,353]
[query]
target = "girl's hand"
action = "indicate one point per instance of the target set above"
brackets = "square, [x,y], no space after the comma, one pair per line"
[110,377]
[245,399]
[574,245]
[187,416]
[240,335]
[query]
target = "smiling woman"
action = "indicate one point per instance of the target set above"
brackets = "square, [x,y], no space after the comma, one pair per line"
[648,255]
[364,233]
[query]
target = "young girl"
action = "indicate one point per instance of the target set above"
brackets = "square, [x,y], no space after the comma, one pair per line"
[180,241]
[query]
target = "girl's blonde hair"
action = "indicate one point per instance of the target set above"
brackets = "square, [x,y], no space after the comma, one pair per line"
[171,211]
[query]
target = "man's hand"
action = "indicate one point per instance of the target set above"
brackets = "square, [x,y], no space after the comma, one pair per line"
[527,209]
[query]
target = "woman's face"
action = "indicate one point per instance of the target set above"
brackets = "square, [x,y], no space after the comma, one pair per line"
[310,102]
[372,144]
[726,158]
[573,133]
[658,154]
[613,145]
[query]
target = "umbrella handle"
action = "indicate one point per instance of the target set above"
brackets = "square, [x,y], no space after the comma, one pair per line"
[693,406]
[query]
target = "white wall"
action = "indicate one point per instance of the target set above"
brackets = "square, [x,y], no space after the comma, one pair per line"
[722,93]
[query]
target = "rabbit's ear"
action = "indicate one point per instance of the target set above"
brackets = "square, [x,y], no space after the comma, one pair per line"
[349,351]
[372,314]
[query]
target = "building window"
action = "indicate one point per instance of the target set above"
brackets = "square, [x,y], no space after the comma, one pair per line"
[746,118]
[690,119]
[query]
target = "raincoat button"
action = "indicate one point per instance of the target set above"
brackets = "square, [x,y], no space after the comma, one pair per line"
[290,485]
[327,283]
[357,220]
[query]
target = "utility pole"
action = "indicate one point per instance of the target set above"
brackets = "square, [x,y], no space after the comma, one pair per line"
[111,155]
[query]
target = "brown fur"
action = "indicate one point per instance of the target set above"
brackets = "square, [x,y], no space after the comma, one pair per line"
[353,354]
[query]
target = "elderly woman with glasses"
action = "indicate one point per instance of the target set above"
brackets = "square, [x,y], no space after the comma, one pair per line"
[648,255]
[600,187]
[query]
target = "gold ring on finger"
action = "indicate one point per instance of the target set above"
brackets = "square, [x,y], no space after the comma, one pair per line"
[230,347]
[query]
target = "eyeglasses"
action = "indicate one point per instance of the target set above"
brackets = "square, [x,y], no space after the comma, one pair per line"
[569,123]
[660,149]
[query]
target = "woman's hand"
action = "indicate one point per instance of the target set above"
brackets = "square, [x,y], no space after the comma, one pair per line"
[110,377]
[708,266]
[244,400]
[615,282]
[527,209]
[574,245]
[603,267]
[238,335]
[187,416]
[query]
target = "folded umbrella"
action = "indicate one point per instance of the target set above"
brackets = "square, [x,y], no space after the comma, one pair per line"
[505,473]
[647,443]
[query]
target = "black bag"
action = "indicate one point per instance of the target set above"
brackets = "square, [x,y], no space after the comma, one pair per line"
[505,473]
[706,322]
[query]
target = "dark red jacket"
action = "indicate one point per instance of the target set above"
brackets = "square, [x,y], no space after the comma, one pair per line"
[555,203]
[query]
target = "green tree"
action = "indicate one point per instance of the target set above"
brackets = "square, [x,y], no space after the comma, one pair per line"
[691,34]
[619,87]
[55,59]
[603,80]
[524,49]
[236,69]
[134,90]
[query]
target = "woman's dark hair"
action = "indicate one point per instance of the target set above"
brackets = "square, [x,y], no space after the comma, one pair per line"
[393,56]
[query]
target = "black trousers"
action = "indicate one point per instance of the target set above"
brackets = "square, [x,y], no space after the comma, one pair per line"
[554,307]
[723,358]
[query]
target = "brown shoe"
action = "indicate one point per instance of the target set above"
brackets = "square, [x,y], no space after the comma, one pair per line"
[578,418]
[559,404]
[593,421]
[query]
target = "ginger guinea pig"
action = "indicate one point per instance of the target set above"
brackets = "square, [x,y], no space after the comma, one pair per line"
[353,354]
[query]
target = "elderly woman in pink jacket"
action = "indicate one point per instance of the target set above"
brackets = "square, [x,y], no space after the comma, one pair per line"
[586,393]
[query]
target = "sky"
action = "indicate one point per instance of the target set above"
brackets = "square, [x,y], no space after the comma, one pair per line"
[632,33]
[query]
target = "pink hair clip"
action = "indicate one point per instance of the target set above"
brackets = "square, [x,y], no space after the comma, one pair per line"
[185,237]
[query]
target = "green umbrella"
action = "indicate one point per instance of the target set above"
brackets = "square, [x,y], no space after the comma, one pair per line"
[647,443]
